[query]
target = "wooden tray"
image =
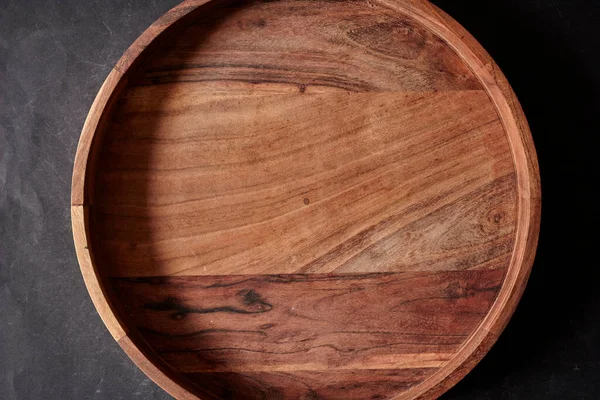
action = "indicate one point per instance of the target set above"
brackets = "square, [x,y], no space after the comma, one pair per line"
[305,200]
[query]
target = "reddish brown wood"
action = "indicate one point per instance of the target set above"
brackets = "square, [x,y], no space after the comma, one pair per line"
[329,384]
[290,199]
[308,322]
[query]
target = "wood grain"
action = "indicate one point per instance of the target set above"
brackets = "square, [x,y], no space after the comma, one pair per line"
[367,48]
[305,322]
[354,384]
[361,177]
[306,200]
[292,327]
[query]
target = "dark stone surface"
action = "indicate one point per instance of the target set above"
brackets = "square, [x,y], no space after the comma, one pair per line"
[54,55]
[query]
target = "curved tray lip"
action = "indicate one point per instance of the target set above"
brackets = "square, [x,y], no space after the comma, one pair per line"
[524,160]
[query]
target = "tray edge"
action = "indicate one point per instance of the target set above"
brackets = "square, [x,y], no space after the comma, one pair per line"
[524,160]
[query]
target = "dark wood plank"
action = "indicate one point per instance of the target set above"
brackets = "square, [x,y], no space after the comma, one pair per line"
[308,322]
[309,385]
[308,47]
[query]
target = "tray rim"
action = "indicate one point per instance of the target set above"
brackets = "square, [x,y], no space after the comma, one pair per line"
[515,126]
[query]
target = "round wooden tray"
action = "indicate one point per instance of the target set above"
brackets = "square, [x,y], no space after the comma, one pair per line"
[294,199]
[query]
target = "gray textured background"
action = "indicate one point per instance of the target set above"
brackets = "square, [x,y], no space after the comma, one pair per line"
[54,55]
